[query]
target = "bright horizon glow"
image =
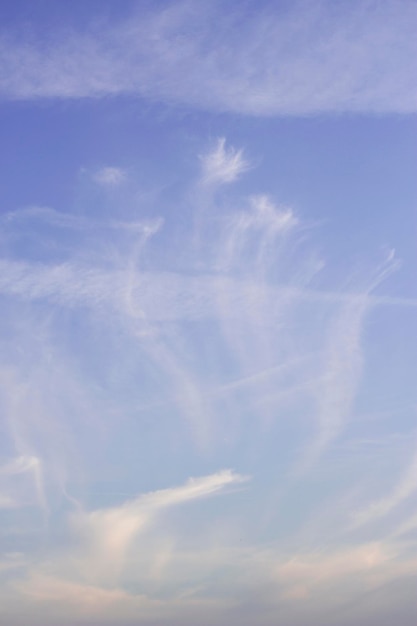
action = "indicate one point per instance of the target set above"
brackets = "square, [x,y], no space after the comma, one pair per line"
[208,314]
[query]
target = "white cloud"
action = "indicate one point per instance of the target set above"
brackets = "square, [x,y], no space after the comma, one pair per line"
[19,465]
[275,219]
[343,362]
[342,369]
[256,234]
[223,164]
[253,289]
[110,176]
[300,59]
[264,352]
[160,295]
[109,532]
[61,219]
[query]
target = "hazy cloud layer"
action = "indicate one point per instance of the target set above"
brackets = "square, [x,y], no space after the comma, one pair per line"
[297,58]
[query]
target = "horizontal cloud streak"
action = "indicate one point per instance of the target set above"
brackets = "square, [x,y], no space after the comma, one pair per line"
[159,295]
[319,584]
[299,59]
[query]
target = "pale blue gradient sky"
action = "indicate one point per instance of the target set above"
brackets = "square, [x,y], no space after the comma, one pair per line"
[208,313]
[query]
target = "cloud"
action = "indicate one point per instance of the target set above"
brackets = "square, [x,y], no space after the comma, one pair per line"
[405,487]
[343,363]
[300,59]
[266,214]
[316,585]
[21,480]
[222,165]
[19,465]
[256,234]
[50,599]
[342,369]
[110,176]
[44,215]
[127,352]
[406,526]
[253,282]
[163,295]
[102,542]
[109,532]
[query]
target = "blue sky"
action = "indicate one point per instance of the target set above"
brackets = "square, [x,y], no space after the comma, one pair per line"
[208,313]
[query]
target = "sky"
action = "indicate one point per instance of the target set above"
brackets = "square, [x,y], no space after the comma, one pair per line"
[208,306]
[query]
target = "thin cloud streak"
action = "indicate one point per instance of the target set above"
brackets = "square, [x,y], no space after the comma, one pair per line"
[156,292]
[405,487]
[342,363]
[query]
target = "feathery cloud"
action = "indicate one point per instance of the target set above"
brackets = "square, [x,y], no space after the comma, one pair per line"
[128,351]
[223,164]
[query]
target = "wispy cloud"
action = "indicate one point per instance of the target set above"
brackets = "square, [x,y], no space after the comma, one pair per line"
[343,362]
[128,351]
[406,526]
[110,176]
[405,487]
[21,483]
[223,164]
[253,287]
[300,59]
[319,584]
[157,293]
[109,532]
